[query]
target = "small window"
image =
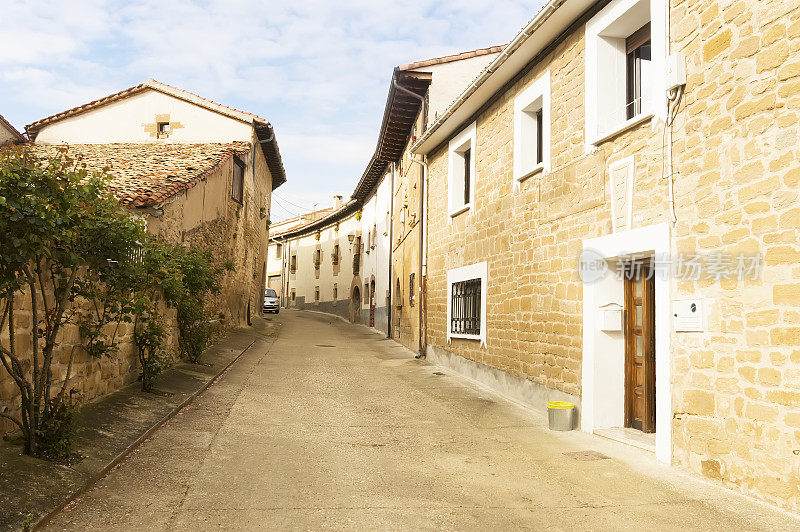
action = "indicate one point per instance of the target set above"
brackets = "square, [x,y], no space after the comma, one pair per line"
[461,171]
[316,294]
[317,259]
[467,154]
[411,290]
[278,251]
[293,264]
[466,302]
[293,294]
[163,129]
[637,47]
[335,257]
[466,307]
[532,129]
[366,292]
[335,292]
[237,190]
[625,56]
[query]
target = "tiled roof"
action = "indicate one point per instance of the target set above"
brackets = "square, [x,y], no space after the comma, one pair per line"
[292,224]
[455,57]
[147,174]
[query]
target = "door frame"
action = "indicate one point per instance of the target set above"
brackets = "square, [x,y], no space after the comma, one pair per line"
[653,240]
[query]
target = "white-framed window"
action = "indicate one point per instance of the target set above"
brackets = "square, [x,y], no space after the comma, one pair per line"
[532,129]
[461,171]
[625,67]
[466,302]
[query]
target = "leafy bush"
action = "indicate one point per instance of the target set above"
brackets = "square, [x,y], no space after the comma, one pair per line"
[149,335]
[62,234]
[58,428]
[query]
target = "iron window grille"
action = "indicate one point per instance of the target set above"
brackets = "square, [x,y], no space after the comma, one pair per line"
[465,307]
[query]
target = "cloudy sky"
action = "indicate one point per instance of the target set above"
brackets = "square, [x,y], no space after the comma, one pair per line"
[318,70]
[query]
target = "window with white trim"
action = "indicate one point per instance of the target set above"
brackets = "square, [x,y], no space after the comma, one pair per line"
[461,171]
[625,66]
[466,302]
[532,129]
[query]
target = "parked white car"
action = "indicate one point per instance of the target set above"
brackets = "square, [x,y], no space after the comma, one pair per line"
[272,302]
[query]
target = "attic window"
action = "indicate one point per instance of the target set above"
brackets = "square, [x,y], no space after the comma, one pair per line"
[163,129]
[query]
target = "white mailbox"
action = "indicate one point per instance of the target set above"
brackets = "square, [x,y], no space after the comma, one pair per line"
[688,315]
[611,317]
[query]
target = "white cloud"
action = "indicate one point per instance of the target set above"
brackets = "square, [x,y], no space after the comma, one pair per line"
[318,70]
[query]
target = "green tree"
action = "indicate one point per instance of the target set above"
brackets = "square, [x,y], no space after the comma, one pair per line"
[62,234]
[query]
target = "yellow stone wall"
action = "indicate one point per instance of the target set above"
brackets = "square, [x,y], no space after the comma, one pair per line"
[736,386]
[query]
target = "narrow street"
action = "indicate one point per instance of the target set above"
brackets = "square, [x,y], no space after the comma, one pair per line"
[333,426]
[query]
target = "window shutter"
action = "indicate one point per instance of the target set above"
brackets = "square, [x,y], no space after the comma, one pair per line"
[637,38]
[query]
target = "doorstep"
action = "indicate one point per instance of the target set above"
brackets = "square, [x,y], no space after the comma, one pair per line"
[629,436]
[32,490]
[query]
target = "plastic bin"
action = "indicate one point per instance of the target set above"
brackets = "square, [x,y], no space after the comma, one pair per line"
[560,415]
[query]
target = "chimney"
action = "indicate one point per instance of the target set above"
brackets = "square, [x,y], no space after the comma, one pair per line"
[338,201]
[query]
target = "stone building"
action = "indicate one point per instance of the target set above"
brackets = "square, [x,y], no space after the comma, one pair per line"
[9,134]
[198,172]
[632,136]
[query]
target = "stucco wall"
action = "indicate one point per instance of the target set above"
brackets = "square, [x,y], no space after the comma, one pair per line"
[133,120]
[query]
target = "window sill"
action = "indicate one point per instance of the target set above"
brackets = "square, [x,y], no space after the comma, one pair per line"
[538,169]
[626,125]
[459,210]
[466,336]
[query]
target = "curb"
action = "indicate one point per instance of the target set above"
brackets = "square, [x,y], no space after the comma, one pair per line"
[133,446]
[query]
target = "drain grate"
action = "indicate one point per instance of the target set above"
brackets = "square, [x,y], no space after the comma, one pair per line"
[325,345]
[438,373]
[585,456]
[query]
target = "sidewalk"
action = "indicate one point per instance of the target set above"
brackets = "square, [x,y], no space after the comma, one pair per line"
[31,489]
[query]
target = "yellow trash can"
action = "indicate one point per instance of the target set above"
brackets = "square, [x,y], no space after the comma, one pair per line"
[560,415]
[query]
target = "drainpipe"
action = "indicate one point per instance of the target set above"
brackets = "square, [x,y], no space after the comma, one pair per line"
[422,215]
[391,254]
[423,264]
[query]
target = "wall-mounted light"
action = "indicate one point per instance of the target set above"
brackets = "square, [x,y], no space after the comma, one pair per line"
[351,237]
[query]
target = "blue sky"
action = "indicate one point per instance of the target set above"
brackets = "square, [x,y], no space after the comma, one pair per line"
[319,71]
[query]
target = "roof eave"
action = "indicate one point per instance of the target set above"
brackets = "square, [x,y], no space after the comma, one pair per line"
[386,151]
[343,212]
[269,145]
[548,24]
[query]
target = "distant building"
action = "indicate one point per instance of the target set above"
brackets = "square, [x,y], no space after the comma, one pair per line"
[355,262]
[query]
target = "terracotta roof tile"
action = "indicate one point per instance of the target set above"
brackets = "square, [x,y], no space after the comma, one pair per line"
[147,174]
[455,57]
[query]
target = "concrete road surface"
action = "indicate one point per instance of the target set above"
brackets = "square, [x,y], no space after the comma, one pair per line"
[334,427]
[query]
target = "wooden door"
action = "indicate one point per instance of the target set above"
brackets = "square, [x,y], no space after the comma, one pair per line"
[640,353]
